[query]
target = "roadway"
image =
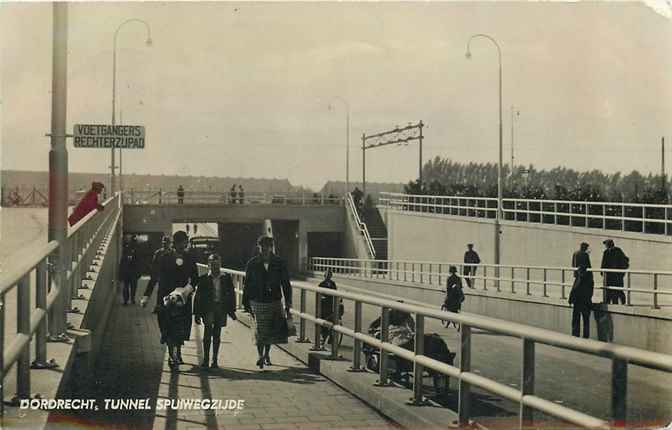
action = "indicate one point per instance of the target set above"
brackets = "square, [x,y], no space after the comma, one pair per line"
[576,380]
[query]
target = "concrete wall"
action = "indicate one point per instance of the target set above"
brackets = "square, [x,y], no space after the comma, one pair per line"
[430,237]
[637,327]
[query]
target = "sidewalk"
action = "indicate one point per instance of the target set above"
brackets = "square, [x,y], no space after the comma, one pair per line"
[287,395]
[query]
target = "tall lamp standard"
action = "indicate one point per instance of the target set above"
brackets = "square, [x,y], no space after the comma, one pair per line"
[114,90]
[347,142]
[499,166]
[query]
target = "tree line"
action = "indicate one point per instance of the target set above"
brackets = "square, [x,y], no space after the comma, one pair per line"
[447,177]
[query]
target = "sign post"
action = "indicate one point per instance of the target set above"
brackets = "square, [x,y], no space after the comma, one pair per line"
[109,136]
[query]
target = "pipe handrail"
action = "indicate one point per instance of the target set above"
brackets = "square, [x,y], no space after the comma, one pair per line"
[361,225]
[620,355]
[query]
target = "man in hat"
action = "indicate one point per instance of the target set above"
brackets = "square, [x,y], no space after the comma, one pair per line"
[471,259]
[614,258]
[177,276]
[215,299]
[582,291]
[88,203]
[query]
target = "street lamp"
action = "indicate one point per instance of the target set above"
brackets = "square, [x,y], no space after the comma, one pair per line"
[347,143]
[114,91]
[499,165]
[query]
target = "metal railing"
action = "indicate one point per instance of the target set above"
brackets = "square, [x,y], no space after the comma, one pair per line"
[53,294]
[163,197]
[641,287]
[621,356]
[363,229]
[635,217]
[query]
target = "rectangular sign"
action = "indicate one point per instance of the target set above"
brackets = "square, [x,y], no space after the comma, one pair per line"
[109,136]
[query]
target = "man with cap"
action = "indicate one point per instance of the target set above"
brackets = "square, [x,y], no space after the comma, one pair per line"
[582,291]
[266,283]
[177,276]
[471,259]
[614,258]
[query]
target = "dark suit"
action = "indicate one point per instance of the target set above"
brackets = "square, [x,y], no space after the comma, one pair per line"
[614,258]
[204,299]
[582,293]
[266,286]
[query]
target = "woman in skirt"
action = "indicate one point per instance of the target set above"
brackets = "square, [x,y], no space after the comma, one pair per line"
[266,283]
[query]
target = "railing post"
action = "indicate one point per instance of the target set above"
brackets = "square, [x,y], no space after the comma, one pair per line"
[404,271]
[429,275]
[545,280]
[384,337]
[302,322]
[464,400]
[23,327]
[628,293]
[335,301]
[485,278]
[421,270]
[527,382]
[655,290]
[562,281]
[555,212]
[527,281]
[419,350]
[643,219]
[439,274]
[513,281]
[412,272]
[317,339]
[357,349]
[619,391]
[41,303]
[604,217]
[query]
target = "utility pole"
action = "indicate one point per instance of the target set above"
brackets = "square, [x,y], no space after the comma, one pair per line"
[662,168]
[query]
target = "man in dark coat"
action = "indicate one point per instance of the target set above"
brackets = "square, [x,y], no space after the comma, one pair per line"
[582,291]
[266,283]
[471,259]
[327,306]
[177,274]
[129,270]
[614,258]
[214,300]
[454,293]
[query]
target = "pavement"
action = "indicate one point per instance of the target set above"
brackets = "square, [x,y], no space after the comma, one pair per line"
[133,365]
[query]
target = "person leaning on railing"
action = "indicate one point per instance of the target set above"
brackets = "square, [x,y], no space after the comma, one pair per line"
[88,203]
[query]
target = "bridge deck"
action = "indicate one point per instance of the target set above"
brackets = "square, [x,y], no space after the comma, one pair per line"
[287,395]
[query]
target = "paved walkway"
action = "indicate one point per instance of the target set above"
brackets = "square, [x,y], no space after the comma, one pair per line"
[287,395]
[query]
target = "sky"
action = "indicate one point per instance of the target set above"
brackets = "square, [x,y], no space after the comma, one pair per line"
[256,89]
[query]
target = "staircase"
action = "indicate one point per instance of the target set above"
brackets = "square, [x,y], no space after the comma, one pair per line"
[377,230]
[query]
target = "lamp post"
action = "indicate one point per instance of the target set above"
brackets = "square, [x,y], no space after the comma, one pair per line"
[499,165]
[514,114]
[114,90]
[347,143]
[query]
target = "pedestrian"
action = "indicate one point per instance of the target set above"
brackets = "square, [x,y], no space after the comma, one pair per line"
[327,306]
[129,270]
[471,261]
[232,194]
[180,195]
[357,196]
[454,293]
[177,275]
[614,258]
[214,300]
[88,203]
[266,282]
[241,195]
[581,296]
